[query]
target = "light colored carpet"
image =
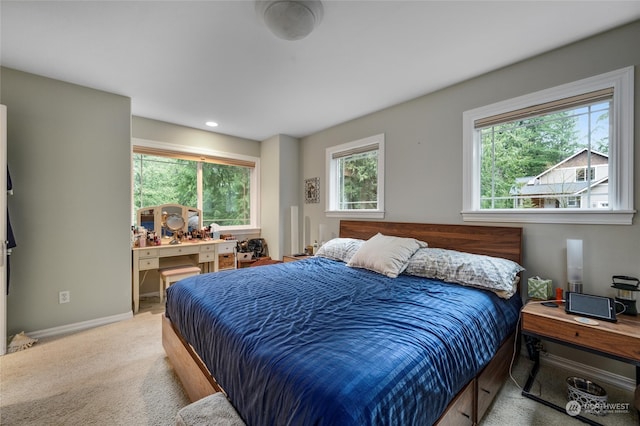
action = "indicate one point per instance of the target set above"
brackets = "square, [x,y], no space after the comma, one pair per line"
[118,375]
[511,408]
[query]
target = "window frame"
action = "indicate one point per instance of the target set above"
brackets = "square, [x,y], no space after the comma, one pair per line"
[198,151]
[332,193]
[621,164]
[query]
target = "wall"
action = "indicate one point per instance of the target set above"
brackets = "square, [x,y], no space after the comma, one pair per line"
[68,153]
[423,165]
[160,131]
[280,187]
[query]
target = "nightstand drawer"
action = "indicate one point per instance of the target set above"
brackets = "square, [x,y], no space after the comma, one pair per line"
[602,337]
[291,258]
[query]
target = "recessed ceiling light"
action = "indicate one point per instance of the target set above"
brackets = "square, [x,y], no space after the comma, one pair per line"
[211,124]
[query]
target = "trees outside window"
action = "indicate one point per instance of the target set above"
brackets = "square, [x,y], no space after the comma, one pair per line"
[224,189]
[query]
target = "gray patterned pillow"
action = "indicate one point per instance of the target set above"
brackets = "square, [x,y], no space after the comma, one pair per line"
[491,273]
[341,249]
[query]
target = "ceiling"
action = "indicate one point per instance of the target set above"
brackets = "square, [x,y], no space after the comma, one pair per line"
[187,62]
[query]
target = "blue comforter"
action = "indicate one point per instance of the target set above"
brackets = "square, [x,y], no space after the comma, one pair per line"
[315,342]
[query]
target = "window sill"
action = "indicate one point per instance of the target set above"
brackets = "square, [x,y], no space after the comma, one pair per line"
[237,231]
[358,214]
[581,217]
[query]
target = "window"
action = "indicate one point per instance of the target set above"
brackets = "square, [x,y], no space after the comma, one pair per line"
[224,188]
[581,174]
[563,155]
[355,172]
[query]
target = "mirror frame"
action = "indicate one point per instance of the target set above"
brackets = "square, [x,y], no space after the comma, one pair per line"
[184,211]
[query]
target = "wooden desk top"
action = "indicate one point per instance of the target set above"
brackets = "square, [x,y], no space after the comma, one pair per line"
[620,339]
[196,242]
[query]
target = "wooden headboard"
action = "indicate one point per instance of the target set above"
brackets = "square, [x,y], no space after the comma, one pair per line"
[498,241]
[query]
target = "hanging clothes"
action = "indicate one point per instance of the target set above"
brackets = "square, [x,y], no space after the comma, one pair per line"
[11,240]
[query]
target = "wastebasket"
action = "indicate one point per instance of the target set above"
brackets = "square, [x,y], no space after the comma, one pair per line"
[591,396]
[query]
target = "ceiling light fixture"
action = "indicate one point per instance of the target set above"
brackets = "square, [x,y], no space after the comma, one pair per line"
[290,19]
[211,124]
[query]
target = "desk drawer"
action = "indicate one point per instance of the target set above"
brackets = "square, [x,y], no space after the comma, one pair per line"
[150,252]
[226,247]
[148,263]
[180,251]
[226,261]
[207,248]
[206,257]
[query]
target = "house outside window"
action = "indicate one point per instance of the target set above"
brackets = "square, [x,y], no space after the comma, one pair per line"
[355,173]
[563,155]
[581,174]
[225,188]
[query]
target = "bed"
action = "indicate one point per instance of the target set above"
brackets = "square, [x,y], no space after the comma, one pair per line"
[319,342]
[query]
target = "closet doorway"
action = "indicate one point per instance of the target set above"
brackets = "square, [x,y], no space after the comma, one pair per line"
[3,230]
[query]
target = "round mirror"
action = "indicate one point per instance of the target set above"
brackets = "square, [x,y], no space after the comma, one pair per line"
[175,223]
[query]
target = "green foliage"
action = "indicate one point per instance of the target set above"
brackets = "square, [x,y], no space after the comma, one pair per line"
[359,175]
[226,195]
[162,180]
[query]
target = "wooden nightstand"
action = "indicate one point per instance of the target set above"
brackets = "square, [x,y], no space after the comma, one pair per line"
[292,258]
[619,341]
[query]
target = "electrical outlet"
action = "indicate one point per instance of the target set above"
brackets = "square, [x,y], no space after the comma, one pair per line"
[64,297]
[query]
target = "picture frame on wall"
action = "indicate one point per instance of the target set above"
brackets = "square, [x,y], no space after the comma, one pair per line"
[312,190]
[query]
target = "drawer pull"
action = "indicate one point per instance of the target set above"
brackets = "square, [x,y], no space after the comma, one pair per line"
[577,334]
[485,390]
[465,414]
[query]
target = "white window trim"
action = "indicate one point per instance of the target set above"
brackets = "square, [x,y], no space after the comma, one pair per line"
[255,177]
[620,155]
[332,185]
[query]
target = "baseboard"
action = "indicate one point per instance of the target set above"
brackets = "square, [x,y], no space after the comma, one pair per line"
[79,326]
[589,372]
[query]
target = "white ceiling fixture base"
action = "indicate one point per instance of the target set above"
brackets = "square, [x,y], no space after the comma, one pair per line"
[290,19]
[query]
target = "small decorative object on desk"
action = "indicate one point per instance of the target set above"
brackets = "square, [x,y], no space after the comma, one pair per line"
[627,289]
[539,288]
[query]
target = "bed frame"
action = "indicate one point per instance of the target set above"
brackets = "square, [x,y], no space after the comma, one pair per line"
[470,405]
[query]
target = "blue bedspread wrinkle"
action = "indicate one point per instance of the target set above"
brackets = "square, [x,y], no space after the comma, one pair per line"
[315,342]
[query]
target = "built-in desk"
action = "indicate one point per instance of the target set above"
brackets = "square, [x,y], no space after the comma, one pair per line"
[210,256]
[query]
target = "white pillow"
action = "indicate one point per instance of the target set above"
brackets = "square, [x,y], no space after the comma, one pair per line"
[385,254]
[341,249]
